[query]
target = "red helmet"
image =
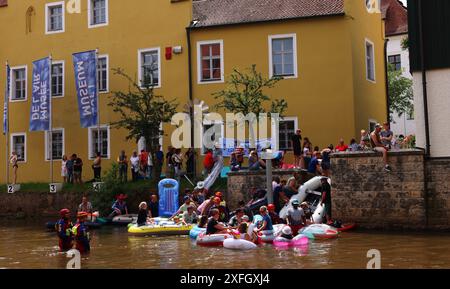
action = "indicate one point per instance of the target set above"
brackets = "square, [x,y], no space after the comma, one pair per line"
[219,194]
[217,200]
[63,212]
[271,207]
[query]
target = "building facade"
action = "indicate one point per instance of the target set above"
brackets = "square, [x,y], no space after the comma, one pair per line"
[330,54]
[396,19]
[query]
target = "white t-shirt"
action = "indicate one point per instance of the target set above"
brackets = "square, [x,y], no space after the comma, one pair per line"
[134,162]
[150,160]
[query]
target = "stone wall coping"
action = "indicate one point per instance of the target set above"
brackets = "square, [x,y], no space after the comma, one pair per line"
[405,152]
[263,172]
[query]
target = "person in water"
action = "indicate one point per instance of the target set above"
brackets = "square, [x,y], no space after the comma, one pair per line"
[81,233]
[273,215]
[243,230]
[214,227]
[202,222]
[286,233]
[142,214]
[189,217]
[296,217]
[266,224]
[236,220]
[326,199]
[64,230]
[119,207]
[308,213]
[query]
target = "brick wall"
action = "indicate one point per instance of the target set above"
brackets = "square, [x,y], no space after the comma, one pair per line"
[438,188]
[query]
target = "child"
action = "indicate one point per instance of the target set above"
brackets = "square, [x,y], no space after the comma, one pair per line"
[142,214]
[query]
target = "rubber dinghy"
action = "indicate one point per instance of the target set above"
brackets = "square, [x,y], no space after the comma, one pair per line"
[310,186]
[320,232]
[238,244]
[213,240]
[195,231]
[160,229]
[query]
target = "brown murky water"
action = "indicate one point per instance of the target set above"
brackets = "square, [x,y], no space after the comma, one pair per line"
[25,245]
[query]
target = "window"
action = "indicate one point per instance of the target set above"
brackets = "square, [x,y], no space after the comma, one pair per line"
[286,131]
[370,61]
[210,61]
[54,17]
[18,83]
[19,145]
[98,13]
[57,144]
[103,85]
[283,55]
[94,142]
[57,79]
[396,61]
[149,68]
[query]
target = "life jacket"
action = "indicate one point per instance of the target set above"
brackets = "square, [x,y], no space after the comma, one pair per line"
[64,228]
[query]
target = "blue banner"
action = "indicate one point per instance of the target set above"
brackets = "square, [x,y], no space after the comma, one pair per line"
[6,104]
[40,102]
[230,145]
[168,197]
[85,67]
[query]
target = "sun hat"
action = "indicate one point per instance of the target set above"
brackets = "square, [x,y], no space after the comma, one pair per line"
[200,185]
[286,230]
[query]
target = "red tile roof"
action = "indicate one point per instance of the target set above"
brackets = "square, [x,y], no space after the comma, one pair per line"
[396,17]
[225,12]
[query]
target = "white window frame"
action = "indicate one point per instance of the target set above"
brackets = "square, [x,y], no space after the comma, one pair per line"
[276,131]
[13,88]
[107,73]
[295,51]
[90,9]
[47,140]
[199,62]
[11,145]
[367,41]
[47,15]
[90,140]
[140,52]
[63,78]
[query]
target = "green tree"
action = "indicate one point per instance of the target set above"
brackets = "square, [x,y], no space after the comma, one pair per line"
[400,92]
[141,110]
[246,93]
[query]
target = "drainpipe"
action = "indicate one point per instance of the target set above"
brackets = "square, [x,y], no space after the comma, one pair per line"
[191,108]
[388,101]
[425,107]
[424,81]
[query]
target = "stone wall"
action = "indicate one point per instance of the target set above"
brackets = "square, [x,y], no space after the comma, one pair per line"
[240,183]
[438,189]
[364,193]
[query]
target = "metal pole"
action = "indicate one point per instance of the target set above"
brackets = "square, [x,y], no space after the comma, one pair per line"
[269,181]
[99,138]
[8,90]
[50,123]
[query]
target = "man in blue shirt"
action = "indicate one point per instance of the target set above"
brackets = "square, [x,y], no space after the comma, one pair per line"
[314,165]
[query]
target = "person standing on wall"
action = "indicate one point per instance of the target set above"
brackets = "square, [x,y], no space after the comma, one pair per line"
[123,166]
[97,167]
[296,141]
[143,162]
[134,162]
[13,160]
[77,169]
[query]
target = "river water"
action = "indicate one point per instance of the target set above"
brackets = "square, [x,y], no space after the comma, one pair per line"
[24,245]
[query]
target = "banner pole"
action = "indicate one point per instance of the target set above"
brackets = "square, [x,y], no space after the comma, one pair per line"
[7,92]
[50,120]
[99,138]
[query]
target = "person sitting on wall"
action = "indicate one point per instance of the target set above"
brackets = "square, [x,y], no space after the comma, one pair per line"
[341,147]
[64,231]
[378,146]
[119,207]
[213,226]
[208,163]
[254,163]
[314,165]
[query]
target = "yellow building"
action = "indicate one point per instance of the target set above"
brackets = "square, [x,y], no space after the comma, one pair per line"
[330,52]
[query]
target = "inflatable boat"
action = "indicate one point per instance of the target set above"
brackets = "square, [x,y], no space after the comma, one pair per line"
[320,232]
[238,244]
[160,229]
[195,231]
[213,240]
[309,187]
[299,240]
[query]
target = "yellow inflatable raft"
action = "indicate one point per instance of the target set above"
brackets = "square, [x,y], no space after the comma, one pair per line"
[160,230]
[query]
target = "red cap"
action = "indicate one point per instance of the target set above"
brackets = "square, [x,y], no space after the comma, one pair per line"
[271,207]
[217,200]
[63,212]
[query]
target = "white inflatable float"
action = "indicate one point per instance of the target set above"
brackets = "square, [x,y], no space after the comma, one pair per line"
[238,244]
